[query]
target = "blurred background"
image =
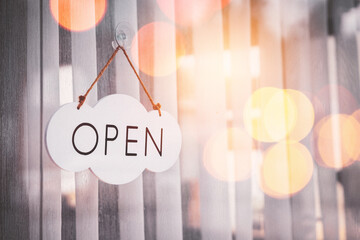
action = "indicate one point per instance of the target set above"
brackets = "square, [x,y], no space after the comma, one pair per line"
[266,93]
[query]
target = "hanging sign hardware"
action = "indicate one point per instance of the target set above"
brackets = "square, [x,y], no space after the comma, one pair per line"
[117,139]
[121,40]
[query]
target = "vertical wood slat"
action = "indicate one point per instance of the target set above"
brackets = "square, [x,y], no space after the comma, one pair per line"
[211,117]
[277,212]
[296,57]
[108,194]
[189,155]
[167,184]
[348,76]
[14,205]
[318,26]
[34,116]
[68,201]
[145,13]
[51,180]
[240,86]
[130,197]
[84,67]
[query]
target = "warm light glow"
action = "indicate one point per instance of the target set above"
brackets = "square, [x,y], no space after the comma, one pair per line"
[156,42]
[269,114]
[279,115]
[286,169]
[227,63]
[227,155]
[255,61]
[79,15]
[188,12]
[304,115]
[273,114]
[338,140]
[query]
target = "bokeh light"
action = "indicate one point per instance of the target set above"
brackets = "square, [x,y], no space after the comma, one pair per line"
[334,98]
[269,115]
[286,169]
[228,154]
[187,12]
[304,115]
[156,46]
[338,140]
[272,114]
[280,115]
[79,15]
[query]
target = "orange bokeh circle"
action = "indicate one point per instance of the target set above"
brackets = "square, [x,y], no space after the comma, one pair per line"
[79,15]
[286,169]
[159,44]
[338,140]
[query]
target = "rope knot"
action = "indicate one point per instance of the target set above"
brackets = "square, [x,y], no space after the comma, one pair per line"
[81,101]
[157,107]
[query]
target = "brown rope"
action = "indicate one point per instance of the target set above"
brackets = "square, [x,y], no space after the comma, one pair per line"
[155,106]
[82,98]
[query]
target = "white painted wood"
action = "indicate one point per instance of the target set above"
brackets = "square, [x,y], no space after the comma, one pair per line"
[84,67]
[167,184]
[239,89]
[130,198]
[51,180]
[34,117]
[210,108]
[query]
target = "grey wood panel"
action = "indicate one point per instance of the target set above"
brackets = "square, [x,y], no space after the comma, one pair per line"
[318,26]
[68,198]
[296,58]
[34,117]
[14,206]
[348,76]
[145,13]
[130,198]
[108,194]
[83,49]
[277,212]
[51,180]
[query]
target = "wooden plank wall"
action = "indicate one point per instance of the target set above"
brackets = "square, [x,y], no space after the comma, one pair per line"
[319,68]
[50,173]
[239,88]
[347,65]
[210,105]
[277,212]
[84,70]
[186,202]
[14,211]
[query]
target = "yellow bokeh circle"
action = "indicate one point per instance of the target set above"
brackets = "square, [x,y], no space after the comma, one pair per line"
[273,114]
[286,169]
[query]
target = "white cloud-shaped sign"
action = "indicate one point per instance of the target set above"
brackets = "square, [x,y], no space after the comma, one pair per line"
[117,139]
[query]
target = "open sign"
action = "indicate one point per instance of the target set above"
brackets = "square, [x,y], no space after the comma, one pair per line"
[117,139]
